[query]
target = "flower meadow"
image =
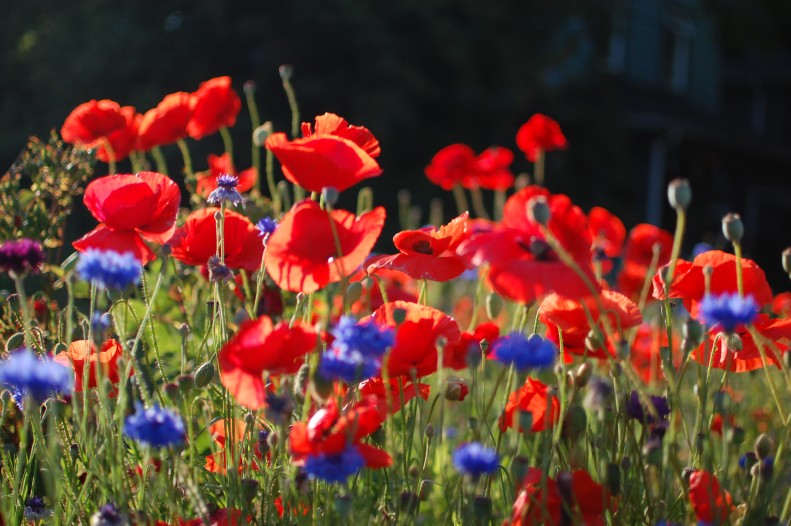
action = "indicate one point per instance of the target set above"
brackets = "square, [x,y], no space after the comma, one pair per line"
[228,346]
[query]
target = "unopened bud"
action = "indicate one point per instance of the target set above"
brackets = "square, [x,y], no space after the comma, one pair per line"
[248,87]
[538,210]
[354,291]
[679,194]
[262,133]
[594,340]
[424,491]
[172,390]
[320,387]
[763,446]
[273,439]
[494,305]
[186,383]
[286,71]
[74,451]
[249,489]
[15,341]
[184,330]
[733,342]
[330,194]
[736,435]
[732,227]
[204,375]
[787,260]
[583,374]
[429,430]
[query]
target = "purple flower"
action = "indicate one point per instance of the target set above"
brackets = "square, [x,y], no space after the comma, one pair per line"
[475,459]
[533,352]
[155,427]
[635,409]
[728,310]
[335,468]
[226,191]
[266,228]
[20,256]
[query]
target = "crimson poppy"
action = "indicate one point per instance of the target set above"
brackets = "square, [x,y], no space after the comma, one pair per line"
[639,254]
[689,283]
[710,502]
[331,124]
[570,317]
[301,254]
[218,462]
[131,208]
[740,353]
[400,391]
[455,355]
[196,241]
[645,352]
[319,161]
[415,345]
[221,517]
[538,135]
[458,164]
[93,124]
[608,235]
[107,358]
[214,105]
[329,431]
[262,346]
[450,165]
[427,253]
[781,305]
[165,124]
[522,264]
[219,165]
[534,398]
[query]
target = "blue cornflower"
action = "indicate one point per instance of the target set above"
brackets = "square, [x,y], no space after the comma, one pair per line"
[335,468]
[226,191]
[728,310]
[101,322]
[475,459]
[351,367]
[636,410]
[155,426]
[109,515]
[36,509]
[108,269]
[700,248]
[533,352]
[369,339]
[40,378]
[266,227]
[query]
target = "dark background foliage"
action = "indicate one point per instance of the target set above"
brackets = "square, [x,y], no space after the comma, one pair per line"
[422,74]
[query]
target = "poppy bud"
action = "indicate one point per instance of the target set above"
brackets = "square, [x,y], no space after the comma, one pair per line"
[733,342]
[519,468]
[399,315]
[692,333]
[273,439]
[74,451]
[429,432]
[494,305]
[172,390]
[204,375]
[249,489]
[594,340]
[575,423]
[613,478]
[538,210]
[679,194]
[408,502]
[736,435]
[786,260]
[763,446]
[330,195]
[186,383]
[732,227]
[261,133]
[301,383]
[15,341]
[249,418]
[184,330]
[414,471]
[343,504]
[286,71]
[583,374]
[424,491]
[263,441]
[484,345]
[354,291]
[320,387]
[456,389]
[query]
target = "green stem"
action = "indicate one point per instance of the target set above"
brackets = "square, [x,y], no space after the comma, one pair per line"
[538,167]
[227,143]
[737,249]
[461,199]
[159,159]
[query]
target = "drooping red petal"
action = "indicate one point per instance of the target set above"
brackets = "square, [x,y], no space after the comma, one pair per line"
[103,238]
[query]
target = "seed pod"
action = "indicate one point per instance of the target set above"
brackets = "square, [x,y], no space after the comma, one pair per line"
[732,227]
[354,291]
[679,194]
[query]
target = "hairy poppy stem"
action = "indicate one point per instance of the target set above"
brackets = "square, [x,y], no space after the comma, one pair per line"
[189,175]
[737,250]
[461,199]
[110,156]
[538,167]
[227,143]
[159,159]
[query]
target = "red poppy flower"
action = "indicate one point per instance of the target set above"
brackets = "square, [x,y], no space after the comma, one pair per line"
[458,164]
[95,123]
[710,502]
[398,287]
[569,316]
[376,387]
[427,253]
[278,502]
[522,265]
[608,235]
[689,282]
[645,353]
[261,346]
[540,500]
[301,254]
[454,355]
[416,337]
[718,421]
[329,431]
[167,123]
[222,517]
[640,253]
[131,208]
[319,161]
[219,165]
[781,305]
[540,134]
[331,124]
[107,358]
[214,105]
[196,241]
[534,398]
[218,462]
[748,358]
